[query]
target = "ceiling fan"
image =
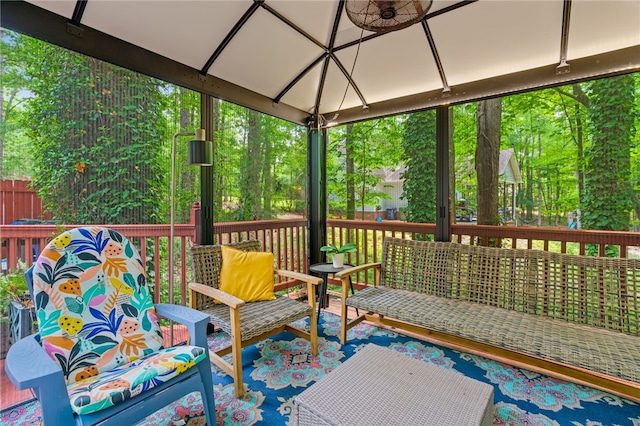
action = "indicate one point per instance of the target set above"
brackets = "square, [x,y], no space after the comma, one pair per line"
[386,15]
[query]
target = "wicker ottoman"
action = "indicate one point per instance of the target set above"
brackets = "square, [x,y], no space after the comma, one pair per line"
[380,387]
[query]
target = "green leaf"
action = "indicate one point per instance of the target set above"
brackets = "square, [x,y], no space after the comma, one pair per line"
[73,305]
[129,310]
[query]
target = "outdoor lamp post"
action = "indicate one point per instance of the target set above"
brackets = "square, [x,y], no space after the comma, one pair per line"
[200,154]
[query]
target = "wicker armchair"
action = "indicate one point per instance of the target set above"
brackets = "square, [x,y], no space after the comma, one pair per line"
[247,323]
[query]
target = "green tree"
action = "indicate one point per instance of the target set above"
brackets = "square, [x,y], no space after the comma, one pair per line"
[464,138]
[536,126]
[350,169]
[260,164]
[15,147]
[183,109]
[251,165]
[96,127]
[609,197]
[488,119]
[354,155]
[419,155]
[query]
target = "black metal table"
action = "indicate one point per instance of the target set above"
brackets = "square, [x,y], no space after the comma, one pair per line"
[323,270]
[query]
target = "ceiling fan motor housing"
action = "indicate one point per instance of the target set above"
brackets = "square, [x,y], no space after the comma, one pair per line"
[387,9]
[386,15]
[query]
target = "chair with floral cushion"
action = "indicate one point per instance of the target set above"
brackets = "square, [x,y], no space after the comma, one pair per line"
[99,355]
[235,286]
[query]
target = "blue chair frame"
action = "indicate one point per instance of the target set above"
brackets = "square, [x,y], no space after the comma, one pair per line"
[29,367]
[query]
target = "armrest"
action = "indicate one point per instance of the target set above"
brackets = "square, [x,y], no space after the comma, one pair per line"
[28,366]
[345,276]
[310,280]
[355,269]
[194,320]
[299,276]
[219,295]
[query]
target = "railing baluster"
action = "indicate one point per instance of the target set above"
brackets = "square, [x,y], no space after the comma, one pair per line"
[287,239]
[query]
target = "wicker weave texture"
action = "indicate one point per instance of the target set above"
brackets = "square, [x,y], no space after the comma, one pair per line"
[257,318]
[604,351]
[416,266]
[377,386]
[260,317]
[206,262]
[596,291]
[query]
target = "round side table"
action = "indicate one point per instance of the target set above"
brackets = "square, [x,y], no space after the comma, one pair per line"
[323,270]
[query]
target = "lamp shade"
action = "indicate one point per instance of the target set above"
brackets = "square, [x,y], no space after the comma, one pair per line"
[200,153]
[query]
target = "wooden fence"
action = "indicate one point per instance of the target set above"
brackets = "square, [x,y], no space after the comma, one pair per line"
[18,201]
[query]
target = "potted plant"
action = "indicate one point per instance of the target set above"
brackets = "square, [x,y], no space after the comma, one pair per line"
[16,307]
[337,253]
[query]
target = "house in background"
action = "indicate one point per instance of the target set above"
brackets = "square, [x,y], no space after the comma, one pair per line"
[391,184]
[509,176]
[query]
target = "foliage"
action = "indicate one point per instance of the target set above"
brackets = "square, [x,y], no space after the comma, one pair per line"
[464,136]
[182,112]
[538,126]
[371,146]
[419,155]
[102,150]
[15,147]
[608,193]
[96,127]
[13,287]
[260,165]
[333,249]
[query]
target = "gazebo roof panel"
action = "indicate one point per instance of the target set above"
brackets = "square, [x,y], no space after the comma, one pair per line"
[485,48]
[603,26]
[266,64]
[487,39]
[383,71]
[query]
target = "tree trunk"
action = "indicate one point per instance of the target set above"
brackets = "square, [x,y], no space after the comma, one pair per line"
[218,187]
[250,197]
[609,196]
[583,99]
[539,183]
[267,191]
[351,179]
[488,118]
[185,176]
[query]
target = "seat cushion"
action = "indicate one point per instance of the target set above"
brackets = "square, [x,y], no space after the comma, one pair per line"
[604,351]
[259,317]
[94,308]
[106,389]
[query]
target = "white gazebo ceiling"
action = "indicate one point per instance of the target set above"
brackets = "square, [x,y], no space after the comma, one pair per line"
[293,58]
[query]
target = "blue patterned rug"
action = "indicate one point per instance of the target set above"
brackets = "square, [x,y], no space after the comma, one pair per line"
[276,370]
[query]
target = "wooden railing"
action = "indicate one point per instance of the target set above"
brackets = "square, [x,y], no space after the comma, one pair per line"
[368,236]
[287,239]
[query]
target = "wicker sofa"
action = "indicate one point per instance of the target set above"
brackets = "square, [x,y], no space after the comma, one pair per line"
[569,316]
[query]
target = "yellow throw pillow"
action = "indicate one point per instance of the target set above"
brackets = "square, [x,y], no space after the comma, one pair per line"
[247,275]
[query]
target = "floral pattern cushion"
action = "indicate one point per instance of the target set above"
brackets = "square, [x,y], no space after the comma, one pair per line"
[98,322]
[117,385]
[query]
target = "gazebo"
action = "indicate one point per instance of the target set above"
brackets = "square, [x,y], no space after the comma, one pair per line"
[307,62]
